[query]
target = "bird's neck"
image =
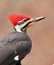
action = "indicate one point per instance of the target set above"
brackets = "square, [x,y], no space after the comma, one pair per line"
[17,29]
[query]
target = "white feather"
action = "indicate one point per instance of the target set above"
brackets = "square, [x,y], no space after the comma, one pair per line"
[16,58]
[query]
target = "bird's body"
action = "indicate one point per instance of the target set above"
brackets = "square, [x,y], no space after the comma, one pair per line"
[22,40]
[18,42]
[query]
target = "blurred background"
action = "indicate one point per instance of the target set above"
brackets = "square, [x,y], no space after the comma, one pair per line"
[42,33]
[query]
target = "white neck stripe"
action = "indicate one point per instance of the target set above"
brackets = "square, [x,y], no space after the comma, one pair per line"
[18,29]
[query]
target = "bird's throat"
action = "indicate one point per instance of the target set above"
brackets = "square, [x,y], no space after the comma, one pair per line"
[19,29]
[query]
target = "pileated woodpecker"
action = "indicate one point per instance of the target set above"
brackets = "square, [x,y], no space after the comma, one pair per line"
[16,45]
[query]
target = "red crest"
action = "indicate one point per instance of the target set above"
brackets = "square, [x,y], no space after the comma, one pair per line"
[15,18]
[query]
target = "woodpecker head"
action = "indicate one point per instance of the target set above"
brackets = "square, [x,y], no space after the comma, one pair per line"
[21,22]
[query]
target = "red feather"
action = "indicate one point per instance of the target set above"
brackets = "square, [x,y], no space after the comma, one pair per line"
[15,18]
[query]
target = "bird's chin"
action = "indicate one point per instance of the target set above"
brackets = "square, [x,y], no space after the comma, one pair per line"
[24,29]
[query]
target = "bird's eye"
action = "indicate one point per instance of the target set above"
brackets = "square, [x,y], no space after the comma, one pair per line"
[23,21]
[20,21]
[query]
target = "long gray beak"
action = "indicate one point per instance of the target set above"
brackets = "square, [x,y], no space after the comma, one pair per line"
[38,19]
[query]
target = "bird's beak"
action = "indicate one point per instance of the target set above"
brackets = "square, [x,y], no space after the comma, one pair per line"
[32,21]
[37,19]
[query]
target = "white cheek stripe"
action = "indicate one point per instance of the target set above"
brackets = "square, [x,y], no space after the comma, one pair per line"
[18,28]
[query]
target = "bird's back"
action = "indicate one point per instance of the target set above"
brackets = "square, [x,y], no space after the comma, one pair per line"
[14,37]
[22,39]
